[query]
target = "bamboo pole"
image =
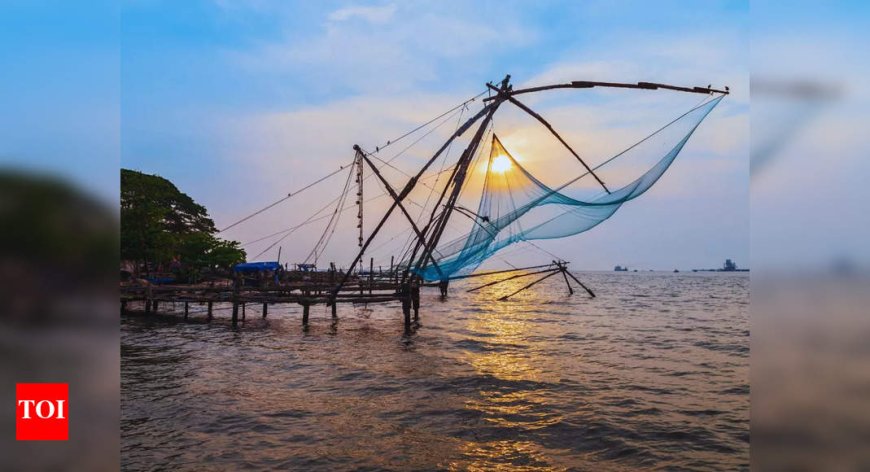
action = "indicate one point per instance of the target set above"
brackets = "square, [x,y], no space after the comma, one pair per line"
[581,284]
[509,278]
[531,284]
[409,187]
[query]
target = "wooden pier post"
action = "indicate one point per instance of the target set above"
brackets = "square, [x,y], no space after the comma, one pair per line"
[334,309]
[565,275]
[209,310]
[235,301]
[415,301]
[154,306]
[185,310]
[371,274]
[243,311]
[406,306]
[305,310]
[265,310]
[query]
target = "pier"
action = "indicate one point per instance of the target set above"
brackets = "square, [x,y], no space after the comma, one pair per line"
[369,288]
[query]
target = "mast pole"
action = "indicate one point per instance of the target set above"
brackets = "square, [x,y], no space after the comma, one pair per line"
[395,197]
[359,199]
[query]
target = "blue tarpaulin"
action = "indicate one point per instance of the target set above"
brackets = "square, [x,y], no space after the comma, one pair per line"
[246,267]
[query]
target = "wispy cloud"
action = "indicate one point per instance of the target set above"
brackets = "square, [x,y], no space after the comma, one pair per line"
[381,14]
[394,48]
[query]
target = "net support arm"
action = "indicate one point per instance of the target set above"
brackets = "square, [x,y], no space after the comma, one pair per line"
[544,122]
[565,271]
[640,85]
[496,282]
[552,273]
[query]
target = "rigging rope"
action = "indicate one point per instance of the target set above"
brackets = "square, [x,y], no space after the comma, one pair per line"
[292,194]
[321,244]
[289,195]
[461,105]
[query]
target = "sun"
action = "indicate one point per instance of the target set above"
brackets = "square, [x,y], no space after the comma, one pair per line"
[501,164]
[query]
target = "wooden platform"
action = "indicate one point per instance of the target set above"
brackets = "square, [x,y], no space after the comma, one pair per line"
[300,293]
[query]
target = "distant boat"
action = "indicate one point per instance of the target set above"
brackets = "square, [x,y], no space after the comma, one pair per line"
[676,270]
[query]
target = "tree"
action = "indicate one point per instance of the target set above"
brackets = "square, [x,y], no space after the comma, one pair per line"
[159,224]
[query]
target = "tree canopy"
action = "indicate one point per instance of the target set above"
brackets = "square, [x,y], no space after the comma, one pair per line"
[161,224]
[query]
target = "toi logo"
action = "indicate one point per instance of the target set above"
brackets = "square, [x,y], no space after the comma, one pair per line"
[41,412]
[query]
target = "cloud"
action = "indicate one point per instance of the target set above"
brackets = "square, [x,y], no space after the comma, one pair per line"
[371,14]
[394,49]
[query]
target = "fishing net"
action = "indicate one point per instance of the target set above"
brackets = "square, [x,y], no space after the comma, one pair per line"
[515,206]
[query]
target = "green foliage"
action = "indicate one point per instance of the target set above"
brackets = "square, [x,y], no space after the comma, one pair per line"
[160,223]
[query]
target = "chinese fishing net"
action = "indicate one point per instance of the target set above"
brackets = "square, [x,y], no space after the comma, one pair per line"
[515,206]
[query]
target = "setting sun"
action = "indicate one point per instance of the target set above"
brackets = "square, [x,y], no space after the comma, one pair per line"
[501,164]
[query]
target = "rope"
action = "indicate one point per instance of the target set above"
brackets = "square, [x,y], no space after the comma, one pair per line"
[461,105]
[291,194]
[323,241]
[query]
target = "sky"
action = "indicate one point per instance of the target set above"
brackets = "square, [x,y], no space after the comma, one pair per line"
[60,91]
[240,102]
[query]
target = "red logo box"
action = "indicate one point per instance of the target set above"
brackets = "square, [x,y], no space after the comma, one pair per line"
[42,412]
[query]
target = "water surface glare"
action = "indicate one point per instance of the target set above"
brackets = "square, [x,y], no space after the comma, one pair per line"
[654,373]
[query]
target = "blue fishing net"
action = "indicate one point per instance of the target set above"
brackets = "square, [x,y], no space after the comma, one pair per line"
[515,206]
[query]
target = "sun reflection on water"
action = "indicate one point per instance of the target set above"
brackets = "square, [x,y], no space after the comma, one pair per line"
[511,400]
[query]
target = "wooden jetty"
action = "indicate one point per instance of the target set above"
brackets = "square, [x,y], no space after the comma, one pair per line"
[373,287]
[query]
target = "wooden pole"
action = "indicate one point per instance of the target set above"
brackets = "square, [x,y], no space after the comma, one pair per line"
[420,237]
[408,188]
[243,311]
[457,181]
[185,310]
[554,133]
[570,290]
[494,272]
[210,310]
[335,309]
[265,310]
[235,301]
[415,301]
[509,278]
[581,284]
[305,309]
[406,308]
[371,274]
[639,85]
[531,284]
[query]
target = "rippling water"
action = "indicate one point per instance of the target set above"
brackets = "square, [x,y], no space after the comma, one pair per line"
[654,373]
